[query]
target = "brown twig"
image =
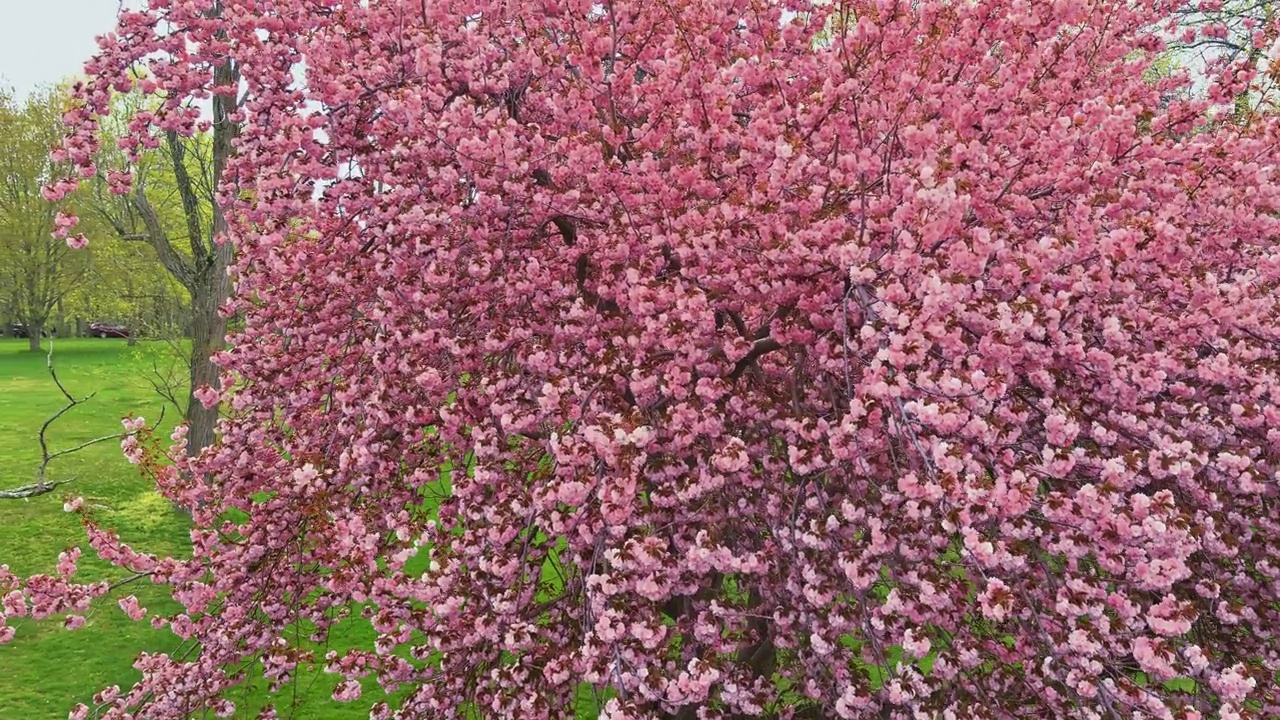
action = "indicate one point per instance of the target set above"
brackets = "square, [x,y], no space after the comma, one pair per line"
[43,485]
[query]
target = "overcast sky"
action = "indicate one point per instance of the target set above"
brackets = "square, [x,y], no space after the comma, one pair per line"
[44,41]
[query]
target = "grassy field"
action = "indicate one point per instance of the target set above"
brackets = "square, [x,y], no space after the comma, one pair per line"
[47,669]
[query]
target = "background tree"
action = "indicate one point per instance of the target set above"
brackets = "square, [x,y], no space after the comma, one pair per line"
[162,191]
[37,270]
[128,285]
[925,368]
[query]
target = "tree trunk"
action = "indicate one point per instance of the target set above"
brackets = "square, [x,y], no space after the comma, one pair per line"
[209,331]
[204,271]
[33,337]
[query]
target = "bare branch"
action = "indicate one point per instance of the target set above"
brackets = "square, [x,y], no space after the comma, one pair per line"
[35,489]
[128,579]
[187,193]
[174,262]
[42,485]
[77,448]
[758,349]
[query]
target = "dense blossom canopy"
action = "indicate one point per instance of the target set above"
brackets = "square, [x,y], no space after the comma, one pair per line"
[726,358]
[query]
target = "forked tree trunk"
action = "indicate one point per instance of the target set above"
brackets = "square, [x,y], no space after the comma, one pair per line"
[204,272]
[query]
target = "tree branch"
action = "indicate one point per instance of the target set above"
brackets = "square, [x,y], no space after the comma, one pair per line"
[758,349]
[172,260]
[31,490]
[187,193]
[42,485]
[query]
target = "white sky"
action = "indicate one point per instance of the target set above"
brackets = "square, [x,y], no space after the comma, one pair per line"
[44,41]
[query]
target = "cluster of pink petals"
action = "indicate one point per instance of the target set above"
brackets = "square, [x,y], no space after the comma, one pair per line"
[888,359]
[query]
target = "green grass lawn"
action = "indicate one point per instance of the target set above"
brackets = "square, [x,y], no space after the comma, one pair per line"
[46,669]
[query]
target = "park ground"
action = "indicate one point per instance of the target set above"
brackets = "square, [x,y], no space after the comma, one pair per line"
[46,669]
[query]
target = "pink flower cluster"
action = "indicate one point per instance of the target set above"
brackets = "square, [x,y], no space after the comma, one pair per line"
[867,359]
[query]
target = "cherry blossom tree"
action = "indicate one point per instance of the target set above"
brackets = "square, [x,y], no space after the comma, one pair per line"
[724,359]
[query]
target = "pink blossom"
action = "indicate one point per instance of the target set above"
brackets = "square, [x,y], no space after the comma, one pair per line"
[14,604]
[207,396]
[1153,658]
[131,608]
[916,643]
[62,224]
[67,562]
[347,691]
[107,695]
[1234,684]
[994,599]
[1171,616]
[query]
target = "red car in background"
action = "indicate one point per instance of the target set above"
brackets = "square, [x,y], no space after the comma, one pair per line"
[106,330]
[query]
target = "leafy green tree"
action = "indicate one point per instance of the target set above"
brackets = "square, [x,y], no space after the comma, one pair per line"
[37,270]
[128,285]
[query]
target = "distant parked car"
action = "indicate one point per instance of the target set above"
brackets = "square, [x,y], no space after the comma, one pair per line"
[106,330]
[17,330]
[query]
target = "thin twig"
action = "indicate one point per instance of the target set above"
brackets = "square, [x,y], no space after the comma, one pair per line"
[43,485]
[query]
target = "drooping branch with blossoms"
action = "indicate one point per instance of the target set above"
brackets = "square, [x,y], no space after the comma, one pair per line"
[42,596]
[730,358]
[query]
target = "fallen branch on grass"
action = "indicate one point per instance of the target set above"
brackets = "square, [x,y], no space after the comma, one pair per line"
[32,490]
[42,485]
